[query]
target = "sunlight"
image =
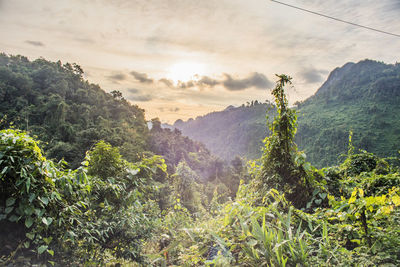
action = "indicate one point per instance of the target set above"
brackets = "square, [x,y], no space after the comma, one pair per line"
[185,71]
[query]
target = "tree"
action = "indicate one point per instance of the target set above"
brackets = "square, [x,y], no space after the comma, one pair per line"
[185,187]
[116,94]
[156,125]
[279,169]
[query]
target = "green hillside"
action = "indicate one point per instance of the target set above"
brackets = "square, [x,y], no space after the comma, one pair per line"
[234,131]
[68,114]
[362,97]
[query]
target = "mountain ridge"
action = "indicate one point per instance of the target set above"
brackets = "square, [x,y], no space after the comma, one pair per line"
[361,97]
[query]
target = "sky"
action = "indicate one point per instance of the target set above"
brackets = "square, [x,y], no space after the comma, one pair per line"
[179,59]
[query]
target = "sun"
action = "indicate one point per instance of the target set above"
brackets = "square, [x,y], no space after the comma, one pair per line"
[185,71]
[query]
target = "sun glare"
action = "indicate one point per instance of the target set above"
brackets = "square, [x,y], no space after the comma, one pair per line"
[185,71]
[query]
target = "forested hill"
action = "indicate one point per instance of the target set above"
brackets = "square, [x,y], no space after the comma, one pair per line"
[67,113]
[233,131]
[363,97]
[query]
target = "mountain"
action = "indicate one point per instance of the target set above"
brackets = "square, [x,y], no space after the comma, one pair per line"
[231,132]
[361,97]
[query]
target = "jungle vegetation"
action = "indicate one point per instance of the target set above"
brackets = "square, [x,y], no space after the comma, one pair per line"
[169,201]
[360,97]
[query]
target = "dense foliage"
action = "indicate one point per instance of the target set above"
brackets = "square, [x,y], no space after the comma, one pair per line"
[175,147]
[210,171]
[104,209]
[362,97]
[69,115]
[350,217]
[128,206]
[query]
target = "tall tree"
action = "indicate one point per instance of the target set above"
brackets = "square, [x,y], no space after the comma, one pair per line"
[279,169]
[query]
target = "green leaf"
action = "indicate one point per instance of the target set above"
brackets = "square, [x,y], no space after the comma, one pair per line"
[28,210]
[252,243]
[27,244]
[318,201]
[4,170]
[44,200]
[315,192]
[13,218]
[39,212]
[31,236]
[133,171]
[10,201]
[42,249]
[8,210]
[47,221]
[28,222]
[47,240]
[51,252]
[28,184]
[56,195]
[31,197]
[307,166]
[322,195]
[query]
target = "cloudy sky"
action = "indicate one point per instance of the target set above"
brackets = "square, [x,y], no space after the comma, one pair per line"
[184,58]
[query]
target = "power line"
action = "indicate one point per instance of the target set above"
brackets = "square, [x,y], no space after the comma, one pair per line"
[333,18]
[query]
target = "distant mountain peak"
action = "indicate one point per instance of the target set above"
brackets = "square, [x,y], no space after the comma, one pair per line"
[351,75]
[361,96]
[230,107]
[178,122]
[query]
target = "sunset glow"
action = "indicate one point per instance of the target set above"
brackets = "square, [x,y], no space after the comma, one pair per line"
[209,54]
[185,71]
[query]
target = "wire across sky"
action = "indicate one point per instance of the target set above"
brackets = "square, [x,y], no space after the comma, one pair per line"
[337,19]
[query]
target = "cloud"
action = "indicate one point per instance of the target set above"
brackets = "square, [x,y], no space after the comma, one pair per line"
[136,95]
[227,81]
[188,84]
[133,90]
[257,80]
[34,43]
[117,77]
[203,82]
[207,81]
[141,77]
[312,75]
[162,109]
[142,98]
[167,82]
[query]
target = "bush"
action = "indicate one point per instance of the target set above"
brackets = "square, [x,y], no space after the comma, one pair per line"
[64,216]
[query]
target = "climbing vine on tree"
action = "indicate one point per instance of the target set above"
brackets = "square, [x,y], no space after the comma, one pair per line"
[279,167]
